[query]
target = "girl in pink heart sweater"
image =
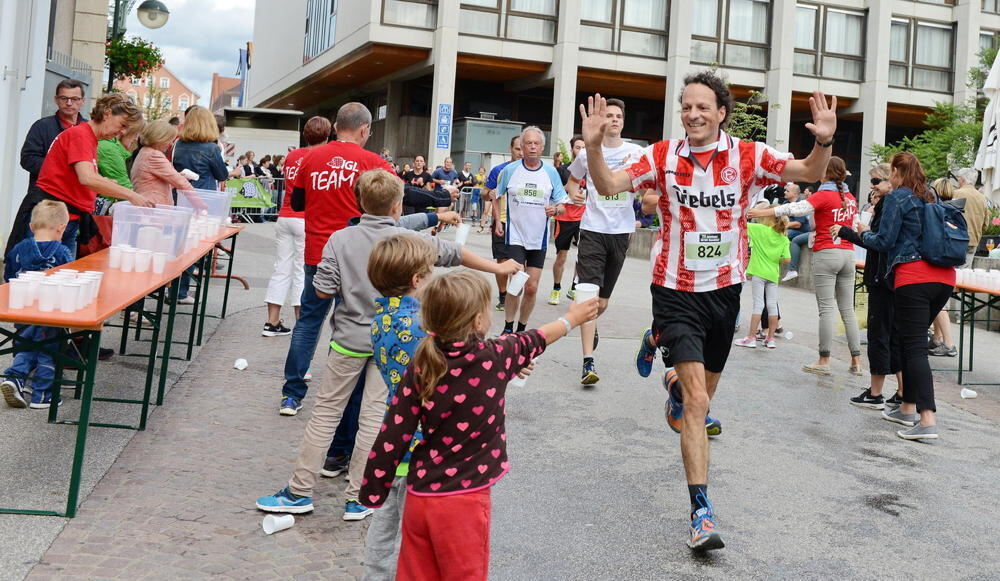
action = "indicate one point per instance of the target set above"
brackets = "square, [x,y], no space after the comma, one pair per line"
[456,390]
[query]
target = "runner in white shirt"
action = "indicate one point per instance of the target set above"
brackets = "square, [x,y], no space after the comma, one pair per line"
[703,185]
[606,228]
[534,192]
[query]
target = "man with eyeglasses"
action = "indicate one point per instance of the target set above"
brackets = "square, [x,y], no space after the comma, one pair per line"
[69,100]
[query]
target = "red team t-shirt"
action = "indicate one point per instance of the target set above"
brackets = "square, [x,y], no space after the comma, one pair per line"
[328,174]
[704,196]
[58,176]
[293,162]
[830,210]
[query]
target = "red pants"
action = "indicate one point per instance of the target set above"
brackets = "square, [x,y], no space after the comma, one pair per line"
[445,538]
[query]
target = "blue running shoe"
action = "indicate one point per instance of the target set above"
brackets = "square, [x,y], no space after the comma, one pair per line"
[285,501]
[674,408]
[13,392]
[289,406]
[354,510]
[704,536]
[644,357]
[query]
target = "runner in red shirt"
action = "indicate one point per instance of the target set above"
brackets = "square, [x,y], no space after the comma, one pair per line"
[700,258]
[69,172]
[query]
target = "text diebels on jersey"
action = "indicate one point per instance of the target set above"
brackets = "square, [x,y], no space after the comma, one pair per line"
[721,198]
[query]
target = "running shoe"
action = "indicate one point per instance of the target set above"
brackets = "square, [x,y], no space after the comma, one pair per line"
[704,536]
[354,510]
[749,342]
[335,466]
[919,432]
[571,294]
[894,402]
[770,344]
[674,408]
[868,401]
[790,275]
[500,306]
[644,356]
[42,400]
[308,376]
[554,297]
[897,416]
[942,350]
[13,393]
[589,376]
[289,406]
[285,501]
[275,330]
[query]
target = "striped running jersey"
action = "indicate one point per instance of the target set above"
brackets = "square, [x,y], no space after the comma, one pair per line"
[702,244]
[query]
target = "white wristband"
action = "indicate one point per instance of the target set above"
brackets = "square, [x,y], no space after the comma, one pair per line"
[564,321]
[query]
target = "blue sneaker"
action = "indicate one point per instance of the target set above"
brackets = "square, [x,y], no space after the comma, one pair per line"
[704,536]
[41,400]
[13,392]
[354,510]
[674,408]
[285,501]
[644,357]
[289,406]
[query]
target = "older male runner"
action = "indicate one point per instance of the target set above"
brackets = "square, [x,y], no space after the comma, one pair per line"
[704,185]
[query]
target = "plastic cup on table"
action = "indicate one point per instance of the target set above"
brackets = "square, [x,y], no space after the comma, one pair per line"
[142,260]
[516,283]
[159,262]
[90,283]
[462,234]
[72,271]
[69,295]
[128,259]
[17,289]
[48,296]
[115,257]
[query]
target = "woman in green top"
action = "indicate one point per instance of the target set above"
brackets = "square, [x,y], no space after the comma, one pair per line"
[768,250]
[113,157]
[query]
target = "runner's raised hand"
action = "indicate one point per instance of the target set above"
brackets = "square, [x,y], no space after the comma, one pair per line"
[595,120]
[824,123]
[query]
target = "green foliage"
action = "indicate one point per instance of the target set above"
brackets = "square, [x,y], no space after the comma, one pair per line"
[132,58]
[993,224]
[746,120]
[157,104]
[949,142]
[562,147]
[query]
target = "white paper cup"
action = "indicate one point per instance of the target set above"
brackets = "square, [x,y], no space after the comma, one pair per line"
[518,381]
[462,234]
[866,218]
[516,283]
[128,259]
[159,262]
[48,296]
[31,284]
[72,271]
[586,291]
[274,523]
[69,295]
[115,257]
[17,289]
[142,260]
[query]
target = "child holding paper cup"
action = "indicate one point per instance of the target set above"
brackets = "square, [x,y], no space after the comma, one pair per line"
[41,251]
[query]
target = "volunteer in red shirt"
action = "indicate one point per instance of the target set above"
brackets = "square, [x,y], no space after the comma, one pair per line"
[69,172]
[323,188]
[703,185]
[832,262]
[566,232]
[288,279]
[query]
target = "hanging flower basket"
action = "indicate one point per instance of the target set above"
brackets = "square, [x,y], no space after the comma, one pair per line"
[132,58]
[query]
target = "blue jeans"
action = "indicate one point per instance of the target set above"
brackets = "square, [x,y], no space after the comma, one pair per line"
[69,237]
[40,362]
[305,336]
[347,429]
[796,249]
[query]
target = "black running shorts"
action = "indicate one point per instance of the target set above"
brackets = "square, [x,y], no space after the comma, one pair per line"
[600,258]
[696,326]
[566,233]
[526,258]
[499,246]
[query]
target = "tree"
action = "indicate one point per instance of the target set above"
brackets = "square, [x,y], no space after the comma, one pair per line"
[746,121]
[158,104]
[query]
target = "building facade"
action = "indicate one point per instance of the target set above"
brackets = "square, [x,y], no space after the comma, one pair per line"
[161,94]
[225,93]
[423,66]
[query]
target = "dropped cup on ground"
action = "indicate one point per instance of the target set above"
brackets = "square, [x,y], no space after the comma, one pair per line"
[516,284]
[275,523]
[241,364]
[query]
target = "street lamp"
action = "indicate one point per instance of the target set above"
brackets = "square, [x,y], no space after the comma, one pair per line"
[152,14]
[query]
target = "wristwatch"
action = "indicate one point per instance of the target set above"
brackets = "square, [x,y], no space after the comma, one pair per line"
[827,144]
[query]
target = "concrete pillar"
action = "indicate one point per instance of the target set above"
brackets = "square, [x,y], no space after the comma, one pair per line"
[564,70]
[445,59]
[678,65]
[966,14]
[393,112]
[779,75]
[875,89]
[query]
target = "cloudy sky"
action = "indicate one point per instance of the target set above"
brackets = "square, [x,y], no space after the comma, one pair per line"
[202,37]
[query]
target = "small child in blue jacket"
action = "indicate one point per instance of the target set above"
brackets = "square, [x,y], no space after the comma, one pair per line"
[40,251]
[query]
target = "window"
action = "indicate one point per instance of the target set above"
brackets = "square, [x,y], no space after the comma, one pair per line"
[149,100]
[829,42]
[987,39]
[183,103]
[135,82]
[321,26]
[628,26]
[412,13]
[164,82]
[167,102]
[532,20]
[234,101]
[920,55]
[732,32]
[991,6]
[479,17]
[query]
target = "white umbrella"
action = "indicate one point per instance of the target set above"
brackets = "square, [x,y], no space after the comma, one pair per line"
[988,156]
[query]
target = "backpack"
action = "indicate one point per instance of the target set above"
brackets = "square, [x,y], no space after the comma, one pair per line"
[945,237]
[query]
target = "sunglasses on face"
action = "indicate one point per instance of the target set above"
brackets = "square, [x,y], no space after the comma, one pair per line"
[877,181]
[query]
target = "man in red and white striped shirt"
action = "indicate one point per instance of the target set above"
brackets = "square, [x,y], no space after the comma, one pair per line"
[702,187]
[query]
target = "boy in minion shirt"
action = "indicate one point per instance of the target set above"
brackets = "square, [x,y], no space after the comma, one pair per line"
[397,267]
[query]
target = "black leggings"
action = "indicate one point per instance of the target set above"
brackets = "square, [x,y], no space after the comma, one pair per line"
[916,305]
[883,351]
